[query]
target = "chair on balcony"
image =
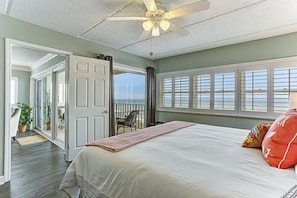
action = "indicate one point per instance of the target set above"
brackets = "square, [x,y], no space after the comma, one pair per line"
[129,121]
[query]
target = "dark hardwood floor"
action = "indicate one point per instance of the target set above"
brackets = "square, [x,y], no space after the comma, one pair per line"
[36,170]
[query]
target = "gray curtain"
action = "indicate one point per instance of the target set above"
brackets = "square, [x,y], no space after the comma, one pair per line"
[151,96]
[111,94]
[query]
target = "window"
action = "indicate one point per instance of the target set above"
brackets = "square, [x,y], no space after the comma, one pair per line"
[181,92]
[254,90]
[284,81]
[14,90]
[165,92]
[259,89]
[224,91]
[174,92]
[201,91]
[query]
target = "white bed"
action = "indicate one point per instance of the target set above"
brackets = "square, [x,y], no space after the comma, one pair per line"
[197,161]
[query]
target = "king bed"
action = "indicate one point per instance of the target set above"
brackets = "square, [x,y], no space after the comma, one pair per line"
[193,161]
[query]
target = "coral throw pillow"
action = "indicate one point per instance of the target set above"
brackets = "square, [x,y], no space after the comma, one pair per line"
[279,146]
[256,135]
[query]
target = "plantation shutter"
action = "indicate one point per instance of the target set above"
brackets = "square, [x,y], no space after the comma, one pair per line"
[201,91]
[224,91]
[181,92]
[285,81]
[254,86]
[165,92]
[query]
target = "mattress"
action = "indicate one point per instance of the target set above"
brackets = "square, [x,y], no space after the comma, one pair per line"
[197,161]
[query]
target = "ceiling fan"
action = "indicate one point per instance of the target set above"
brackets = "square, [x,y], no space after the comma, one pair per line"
[155,18]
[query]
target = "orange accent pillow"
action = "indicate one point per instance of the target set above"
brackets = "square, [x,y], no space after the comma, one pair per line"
[256,135]
[279,146]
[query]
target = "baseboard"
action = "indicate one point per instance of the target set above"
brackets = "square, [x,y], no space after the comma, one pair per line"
[2,180]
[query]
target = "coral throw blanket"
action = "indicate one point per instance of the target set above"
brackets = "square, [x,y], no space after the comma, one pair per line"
[123,141]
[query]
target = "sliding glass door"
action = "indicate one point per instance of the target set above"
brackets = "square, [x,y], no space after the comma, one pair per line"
[38,104]
[50,106]
[47,105]
[60,106]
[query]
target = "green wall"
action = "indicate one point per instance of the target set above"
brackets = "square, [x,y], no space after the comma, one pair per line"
[18,30]
[270,48]
[23,85]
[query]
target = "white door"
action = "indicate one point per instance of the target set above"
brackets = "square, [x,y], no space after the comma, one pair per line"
[88,103]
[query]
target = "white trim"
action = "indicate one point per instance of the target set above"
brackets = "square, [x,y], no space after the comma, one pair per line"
[59,66]
[2,180]
[43,60]
[8,53]
[215,114]
[7,142]
[50,70]
[128,68]
[32,95]
[21,68]
[38,47]
[16,89]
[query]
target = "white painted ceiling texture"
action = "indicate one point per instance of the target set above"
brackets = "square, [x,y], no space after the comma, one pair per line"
[22,56]
[225,22]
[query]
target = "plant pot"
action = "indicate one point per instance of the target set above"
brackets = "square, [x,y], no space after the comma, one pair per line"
[47,126]
[22,128]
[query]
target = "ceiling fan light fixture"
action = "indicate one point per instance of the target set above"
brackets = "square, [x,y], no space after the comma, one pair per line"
[164,25]
[147,25]
[155,31]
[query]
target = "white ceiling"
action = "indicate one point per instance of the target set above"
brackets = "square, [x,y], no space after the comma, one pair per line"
[225,22]
[28,57]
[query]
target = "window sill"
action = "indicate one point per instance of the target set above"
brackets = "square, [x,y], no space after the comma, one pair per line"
[216,114]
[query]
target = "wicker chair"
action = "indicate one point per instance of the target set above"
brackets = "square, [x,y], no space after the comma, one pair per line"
[129,120]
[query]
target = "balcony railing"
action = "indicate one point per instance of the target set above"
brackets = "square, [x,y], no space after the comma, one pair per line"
[123,109]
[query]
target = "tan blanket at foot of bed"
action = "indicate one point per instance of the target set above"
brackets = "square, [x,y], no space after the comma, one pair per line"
[120,142]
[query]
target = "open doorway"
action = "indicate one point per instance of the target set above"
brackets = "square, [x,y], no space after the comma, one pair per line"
[129,96]
[23,61]
[49,92]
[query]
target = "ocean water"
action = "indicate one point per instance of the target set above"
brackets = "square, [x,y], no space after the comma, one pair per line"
[130,101]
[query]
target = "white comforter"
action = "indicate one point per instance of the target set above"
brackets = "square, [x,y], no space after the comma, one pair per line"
[198,161]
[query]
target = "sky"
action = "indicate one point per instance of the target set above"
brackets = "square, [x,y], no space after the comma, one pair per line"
[129,86]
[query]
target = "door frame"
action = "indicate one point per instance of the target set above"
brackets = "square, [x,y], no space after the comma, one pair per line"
[8,53]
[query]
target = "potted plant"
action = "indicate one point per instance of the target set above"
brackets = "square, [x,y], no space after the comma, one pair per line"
[47,117]
[47,112]
[25,118]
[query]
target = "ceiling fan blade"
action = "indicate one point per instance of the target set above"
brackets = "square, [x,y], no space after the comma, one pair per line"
[150,5]
[188,9]
[179,30]
[126,18]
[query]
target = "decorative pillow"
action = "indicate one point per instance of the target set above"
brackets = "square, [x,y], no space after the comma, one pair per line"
[256,135]
[279,146]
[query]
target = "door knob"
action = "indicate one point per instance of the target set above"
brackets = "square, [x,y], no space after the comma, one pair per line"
[105,111]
